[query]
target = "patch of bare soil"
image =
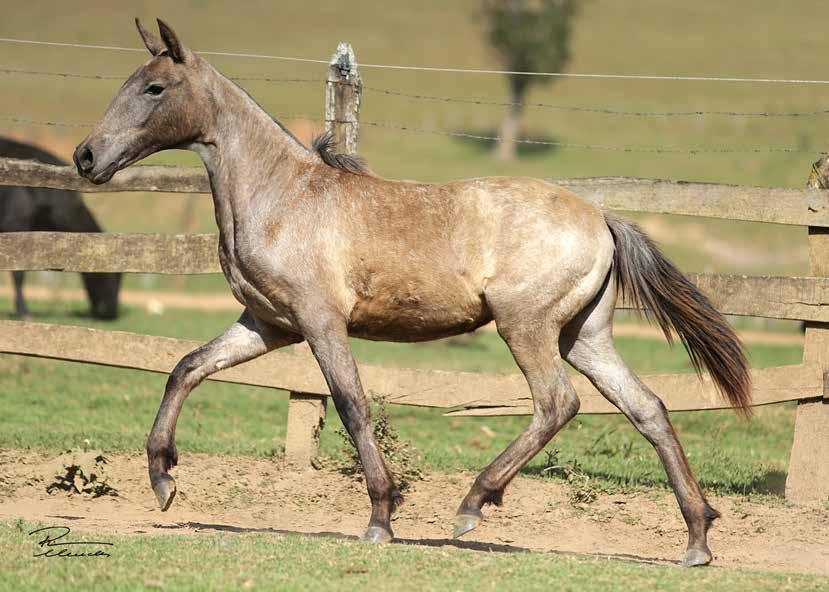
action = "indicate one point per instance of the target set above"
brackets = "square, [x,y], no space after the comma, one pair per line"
[256,495]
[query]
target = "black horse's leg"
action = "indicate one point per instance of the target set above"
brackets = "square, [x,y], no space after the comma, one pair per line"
[327,335]
[534,345]
[246,339]
[20,307]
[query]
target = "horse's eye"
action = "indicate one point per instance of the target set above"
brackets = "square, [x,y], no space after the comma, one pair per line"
[154,90]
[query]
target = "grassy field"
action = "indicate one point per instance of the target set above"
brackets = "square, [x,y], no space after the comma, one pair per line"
[450,34]
[60,405]
[288,562]
[53,406]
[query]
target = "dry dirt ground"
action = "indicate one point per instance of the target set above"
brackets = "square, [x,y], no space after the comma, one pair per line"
[258,495]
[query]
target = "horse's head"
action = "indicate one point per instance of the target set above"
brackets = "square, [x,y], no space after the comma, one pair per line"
[102,289]
[162,105]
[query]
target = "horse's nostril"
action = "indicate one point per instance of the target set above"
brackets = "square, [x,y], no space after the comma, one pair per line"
[86,159]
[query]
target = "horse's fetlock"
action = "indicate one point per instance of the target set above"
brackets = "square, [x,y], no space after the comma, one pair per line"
[164,451]
[710,515]
[489,492]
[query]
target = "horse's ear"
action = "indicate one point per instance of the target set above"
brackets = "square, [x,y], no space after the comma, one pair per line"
[174,47]
[151,41]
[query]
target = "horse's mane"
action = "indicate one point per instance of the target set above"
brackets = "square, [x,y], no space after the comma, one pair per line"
[325,146]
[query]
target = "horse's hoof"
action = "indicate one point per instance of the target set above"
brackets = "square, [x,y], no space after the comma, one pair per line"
[464,523]
[377,535]
[164,488]
[696,557]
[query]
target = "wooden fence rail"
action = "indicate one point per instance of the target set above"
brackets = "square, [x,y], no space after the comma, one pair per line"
[798,207]
[463,393]
[459,393]
[792,298]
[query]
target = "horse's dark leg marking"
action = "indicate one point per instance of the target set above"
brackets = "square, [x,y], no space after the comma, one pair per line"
[327,335]
[244,340]
[535,349]
[20,308]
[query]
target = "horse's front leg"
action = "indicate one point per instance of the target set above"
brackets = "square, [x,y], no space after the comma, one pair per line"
[328,337]
[246,339]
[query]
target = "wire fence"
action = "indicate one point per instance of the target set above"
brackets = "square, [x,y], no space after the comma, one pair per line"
[463,100]
[491,138]
[396,126]
[644,77]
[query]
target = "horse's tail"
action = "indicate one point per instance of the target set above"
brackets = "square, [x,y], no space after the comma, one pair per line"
[651,282]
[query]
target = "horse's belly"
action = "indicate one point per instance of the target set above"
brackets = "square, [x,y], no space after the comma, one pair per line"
[417,314]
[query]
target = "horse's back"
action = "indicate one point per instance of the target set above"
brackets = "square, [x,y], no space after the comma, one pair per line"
[423,258]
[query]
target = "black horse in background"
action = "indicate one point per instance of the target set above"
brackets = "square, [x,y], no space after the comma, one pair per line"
[24,209]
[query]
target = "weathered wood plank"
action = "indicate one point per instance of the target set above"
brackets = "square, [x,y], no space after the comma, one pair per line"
[473,392]
[808,477]
[306,418]
[28,173]
[682,392]
[804,207]
[794,298]
[145,253]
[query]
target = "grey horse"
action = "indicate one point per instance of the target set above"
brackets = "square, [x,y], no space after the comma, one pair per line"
[317,248]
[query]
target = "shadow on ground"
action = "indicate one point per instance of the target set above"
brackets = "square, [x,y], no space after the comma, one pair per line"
[437,543]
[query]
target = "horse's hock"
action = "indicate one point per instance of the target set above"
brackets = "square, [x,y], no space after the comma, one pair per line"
[793,298]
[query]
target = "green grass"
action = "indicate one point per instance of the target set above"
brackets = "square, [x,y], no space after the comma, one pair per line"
[268,561]
[58,405]
[654,37]
[55,405]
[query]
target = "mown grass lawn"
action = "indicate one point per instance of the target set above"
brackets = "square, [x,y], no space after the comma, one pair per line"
[267,561]
[59,405]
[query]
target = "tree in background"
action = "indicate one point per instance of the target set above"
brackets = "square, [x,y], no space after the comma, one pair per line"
[530,36]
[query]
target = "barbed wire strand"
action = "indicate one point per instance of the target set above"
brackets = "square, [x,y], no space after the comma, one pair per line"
[599,110]
[467,101]
[597,147]
[651,77]
[487,138]
[9,70]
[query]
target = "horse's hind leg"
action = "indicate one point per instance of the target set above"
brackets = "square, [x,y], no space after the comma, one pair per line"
[587,343]
[534,344]
[244,340]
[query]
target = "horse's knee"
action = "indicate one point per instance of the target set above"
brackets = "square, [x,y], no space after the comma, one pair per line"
[188,373]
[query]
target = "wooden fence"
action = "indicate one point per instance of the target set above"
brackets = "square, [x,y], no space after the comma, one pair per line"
[460,393]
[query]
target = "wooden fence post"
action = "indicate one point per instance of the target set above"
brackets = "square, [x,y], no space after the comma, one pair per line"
[306,418]
[808,479]
[343,90]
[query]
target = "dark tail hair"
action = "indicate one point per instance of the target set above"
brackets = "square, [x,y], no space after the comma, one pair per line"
[651,282]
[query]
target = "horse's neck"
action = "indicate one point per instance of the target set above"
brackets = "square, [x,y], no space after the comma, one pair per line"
[245,152]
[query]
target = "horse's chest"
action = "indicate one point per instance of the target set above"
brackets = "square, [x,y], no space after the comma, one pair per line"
[255,285]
